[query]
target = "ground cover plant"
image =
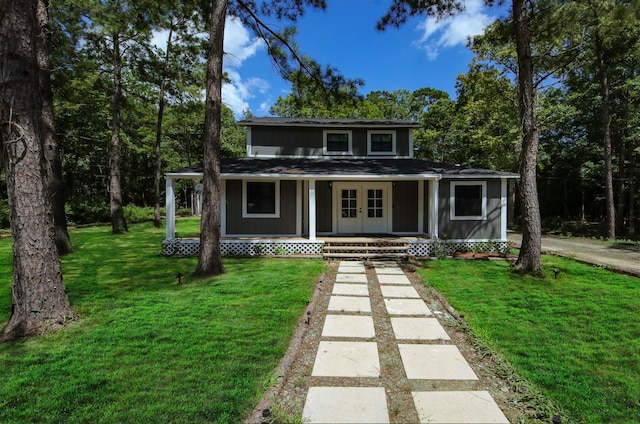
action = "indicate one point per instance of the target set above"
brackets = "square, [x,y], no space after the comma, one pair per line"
[146,348]
[576,337]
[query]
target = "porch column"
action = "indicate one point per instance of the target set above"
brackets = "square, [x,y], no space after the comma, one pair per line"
[170,205]
[503,209]
[312,210]
[420,206]
[433,212]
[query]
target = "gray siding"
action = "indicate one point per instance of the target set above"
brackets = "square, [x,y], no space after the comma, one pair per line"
[472,229]
[405,207]
[304,141]
[285,225]
[324,207]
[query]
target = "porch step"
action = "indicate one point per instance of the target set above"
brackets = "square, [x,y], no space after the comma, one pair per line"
[365,249]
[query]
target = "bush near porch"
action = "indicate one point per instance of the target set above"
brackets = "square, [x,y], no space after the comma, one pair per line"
[146,348]
[576,338]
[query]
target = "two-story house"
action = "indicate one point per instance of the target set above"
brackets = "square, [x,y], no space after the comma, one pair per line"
[306,182]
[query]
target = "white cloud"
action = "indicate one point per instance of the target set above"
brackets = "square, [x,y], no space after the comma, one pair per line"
[452,31]
[238,47]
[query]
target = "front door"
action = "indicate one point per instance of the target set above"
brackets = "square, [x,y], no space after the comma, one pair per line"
[363,208]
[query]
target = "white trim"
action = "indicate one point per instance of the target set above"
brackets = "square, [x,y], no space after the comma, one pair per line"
[349,151]
[411,146]
[503,209]
[452,201]
[393,143]
[223,208]
[331,124]
[331,177]
[312,209]
[276,214]
[299,209]
[433,212]
[420,206]
[249,142]
[170,209]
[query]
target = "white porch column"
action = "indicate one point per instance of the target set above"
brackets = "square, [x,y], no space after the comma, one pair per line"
[420,206]
[433,212]
[312,210]
[170,205]
[503,209]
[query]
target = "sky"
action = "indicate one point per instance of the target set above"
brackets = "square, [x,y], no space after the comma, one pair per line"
[423,53]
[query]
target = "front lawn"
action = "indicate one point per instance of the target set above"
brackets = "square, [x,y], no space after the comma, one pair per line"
[147,349]
[577,337]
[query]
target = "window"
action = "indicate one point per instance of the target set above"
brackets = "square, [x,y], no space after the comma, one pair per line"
[261,199]
[468,200]
[336,142]
[374,203]
[381,143]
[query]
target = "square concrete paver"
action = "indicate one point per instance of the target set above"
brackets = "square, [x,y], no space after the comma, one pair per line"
[406,307]
[348,326]
[351,289]
[387,268]
[418,329]
[346,405]
[399,291]
[349,304]
[347,359]
[435,362]
[351,278]
[351,267]
[393,279]
[457,407]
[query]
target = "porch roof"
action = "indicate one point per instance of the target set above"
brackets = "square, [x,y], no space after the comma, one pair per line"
[332,168]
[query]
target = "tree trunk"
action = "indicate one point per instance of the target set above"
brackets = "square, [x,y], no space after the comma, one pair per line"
[605,121]
[118,224]
[210,260]
[50,143]
[529,258]
[157,219]
[39,298]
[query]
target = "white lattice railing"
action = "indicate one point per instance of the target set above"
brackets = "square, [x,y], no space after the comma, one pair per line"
[417,248]
[183,247]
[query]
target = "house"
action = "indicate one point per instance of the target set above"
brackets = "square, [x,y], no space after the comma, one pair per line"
[304,183]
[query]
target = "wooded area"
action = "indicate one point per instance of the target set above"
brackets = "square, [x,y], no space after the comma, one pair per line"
[552,93]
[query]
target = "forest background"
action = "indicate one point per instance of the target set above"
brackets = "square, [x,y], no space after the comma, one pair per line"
[587,62]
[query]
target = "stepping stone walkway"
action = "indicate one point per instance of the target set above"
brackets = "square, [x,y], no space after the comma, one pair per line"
[348,351]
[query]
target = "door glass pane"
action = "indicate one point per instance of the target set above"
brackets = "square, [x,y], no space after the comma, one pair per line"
[374,204]
[349,203]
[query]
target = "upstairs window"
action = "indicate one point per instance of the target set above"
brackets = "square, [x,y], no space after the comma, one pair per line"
[468,200]
[261,199]
[336,142]
[381,143]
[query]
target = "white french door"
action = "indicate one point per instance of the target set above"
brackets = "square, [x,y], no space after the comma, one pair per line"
[362,208]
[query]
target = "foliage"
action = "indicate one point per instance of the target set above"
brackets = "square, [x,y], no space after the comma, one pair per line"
[147,348]
[575,337]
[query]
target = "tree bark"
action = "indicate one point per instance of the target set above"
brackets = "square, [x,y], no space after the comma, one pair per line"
[210,259]
[39,298]
[118,224]
[529,259]
[157,219]
[605,122]
[50,143]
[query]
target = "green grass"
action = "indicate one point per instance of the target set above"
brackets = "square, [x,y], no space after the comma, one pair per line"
[147,349]
[577,337]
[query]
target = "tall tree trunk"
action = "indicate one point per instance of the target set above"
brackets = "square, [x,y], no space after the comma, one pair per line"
[39,298]
[50,142]
[210,260]
[157,219]
[118,224]
[529,258]
[605,122]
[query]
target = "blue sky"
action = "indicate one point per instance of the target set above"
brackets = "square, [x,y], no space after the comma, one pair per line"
[423,53]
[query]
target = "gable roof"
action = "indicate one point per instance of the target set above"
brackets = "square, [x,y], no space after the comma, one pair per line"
[324,122]
[301,168]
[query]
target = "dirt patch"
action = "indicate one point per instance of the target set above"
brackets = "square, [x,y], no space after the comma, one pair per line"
[285,401]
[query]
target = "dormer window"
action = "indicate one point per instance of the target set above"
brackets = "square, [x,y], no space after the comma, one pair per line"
[336,142]
[381,143]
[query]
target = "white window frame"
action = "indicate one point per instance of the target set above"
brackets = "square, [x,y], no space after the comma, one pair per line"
[452,203]
[246,214]
[327,152]
[393,143]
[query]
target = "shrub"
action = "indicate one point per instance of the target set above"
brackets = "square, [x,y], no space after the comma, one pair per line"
[4,213]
